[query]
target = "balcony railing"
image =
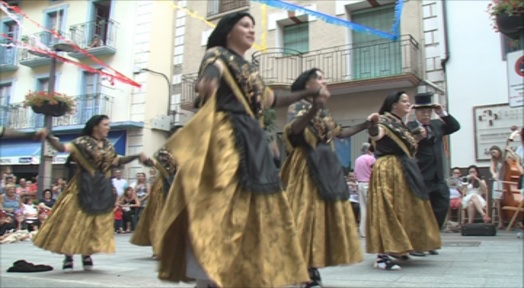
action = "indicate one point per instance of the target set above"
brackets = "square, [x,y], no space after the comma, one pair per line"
[370,60]
[46,38]
[215,7]
[188,93]
[99,37]
[7,58]
[17,117]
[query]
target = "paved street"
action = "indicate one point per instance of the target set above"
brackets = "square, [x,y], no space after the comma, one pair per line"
[463,262]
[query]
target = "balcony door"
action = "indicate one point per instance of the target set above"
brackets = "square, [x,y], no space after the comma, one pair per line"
[7,54]
[5,95]
[90,98]
[54,21]
[100,22]
[373,56]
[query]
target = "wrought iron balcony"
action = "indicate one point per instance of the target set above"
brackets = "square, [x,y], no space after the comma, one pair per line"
[215,7]
[98,37]
[342,64]
[7,58]
[18,117]
[32,59]
[188,91]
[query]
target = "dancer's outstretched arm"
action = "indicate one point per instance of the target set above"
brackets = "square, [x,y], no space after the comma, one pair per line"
[350,131]
[12,133]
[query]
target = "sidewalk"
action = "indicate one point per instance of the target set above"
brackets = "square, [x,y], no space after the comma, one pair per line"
[463,262]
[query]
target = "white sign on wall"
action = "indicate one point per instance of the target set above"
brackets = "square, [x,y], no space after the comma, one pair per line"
[516,78]
[492,127]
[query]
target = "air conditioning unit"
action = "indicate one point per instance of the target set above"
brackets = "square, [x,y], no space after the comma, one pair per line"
[162,122]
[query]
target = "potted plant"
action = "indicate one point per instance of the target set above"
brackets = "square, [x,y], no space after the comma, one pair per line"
[508,16]
[54,104]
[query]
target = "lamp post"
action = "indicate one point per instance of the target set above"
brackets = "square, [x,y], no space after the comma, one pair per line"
[46,159]
[138,71]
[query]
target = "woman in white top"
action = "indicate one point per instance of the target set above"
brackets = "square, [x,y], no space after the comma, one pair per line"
[473,189]
[497,174]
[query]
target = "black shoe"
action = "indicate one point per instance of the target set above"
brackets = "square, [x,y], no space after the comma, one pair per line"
[312,284]
[314,275]
[433,252]
[417,254]
[68,264]
[383,262]
[87,263]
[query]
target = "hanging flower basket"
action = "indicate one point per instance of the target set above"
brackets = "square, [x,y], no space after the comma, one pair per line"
[508,16]
[510,25]
[54,104]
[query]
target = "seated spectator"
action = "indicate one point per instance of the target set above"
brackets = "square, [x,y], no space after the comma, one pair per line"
[353,194]
[46,204]
[96,42]
[30,213]
[8,174]
[6,223]
[455,195]
[34,185]
[22,188]
[10,201]
[19,233]
[7,182]
[58,187]
[474,189]
[129,203]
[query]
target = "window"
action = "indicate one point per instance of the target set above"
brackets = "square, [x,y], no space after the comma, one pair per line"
[91,83]
[10,28]
[54,19]
[89,103]
[8,54]
[221,6]
[296,37]
[509,45]
[42,84]
[5,95]
[372,56]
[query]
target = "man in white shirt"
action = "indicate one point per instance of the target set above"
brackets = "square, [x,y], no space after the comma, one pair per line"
[119,183]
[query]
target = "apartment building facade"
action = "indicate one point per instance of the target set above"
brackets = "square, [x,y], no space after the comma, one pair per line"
[133,37]
[361,69]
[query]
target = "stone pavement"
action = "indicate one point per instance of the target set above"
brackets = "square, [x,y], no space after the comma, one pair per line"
[463,262]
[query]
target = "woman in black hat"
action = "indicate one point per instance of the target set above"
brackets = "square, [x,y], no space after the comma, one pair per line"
[400,219]
[88,198]
[315,184]
[226,221]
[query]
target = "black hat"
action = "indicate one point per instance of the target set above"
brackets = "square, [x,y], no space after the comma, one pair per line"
[219,35]
[300,82]
[423,100]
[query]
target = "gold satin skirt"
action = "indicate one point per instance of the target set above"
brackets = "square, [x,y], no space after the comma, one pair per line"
[327,229]
[146,233]
[397,221]
[240,239]
[69,230]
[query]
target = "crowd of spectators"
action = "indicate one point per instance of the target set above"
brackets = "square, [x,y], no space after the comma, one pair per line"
[22,211]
